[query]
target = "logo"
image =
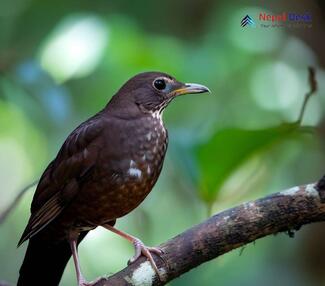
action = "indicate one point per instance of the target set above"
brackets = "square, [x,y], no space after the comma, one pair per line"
[286,17]
[247,21]
[283,19]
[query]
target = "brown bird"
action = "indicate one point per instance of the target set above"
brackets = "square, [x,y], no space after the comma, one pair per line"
[105,169]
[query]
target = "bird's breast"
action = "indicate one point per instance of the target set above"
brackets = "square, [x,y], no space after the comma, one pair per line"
[127,172]
[147,154]
[145,160]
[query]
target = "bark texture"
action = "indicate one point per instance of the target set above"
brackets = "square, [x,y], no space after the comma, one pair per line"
[283,211]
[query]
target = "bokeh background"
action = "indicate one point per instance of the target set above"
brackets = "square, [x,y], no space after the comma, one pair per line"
[61,61]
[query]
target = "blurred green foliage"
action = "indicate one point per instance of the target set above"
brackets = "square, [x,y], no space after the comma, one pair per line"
[226,150]
[61,62]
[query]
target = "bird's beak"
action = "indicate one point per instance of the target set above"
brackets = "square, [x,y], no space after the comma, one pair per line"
[188,88]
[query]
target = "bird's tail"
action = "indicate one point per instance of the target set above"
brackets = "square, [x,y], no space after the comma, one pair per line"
[44,262]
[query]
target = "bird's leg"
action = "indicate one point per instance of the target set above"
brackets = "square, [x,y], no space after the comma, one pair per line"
[140,248]
[81,280]
[74,250]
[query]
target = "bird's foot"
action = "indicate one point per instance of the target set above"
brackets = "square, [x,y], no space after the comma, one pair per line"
[141,249]
[84,282]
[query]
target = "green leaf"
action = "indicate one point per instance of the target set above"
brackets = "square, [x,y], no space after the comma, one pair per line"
[220,157]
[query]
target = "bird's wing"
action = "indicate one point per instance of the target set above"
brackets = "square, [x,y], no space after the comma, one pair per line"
[60,182]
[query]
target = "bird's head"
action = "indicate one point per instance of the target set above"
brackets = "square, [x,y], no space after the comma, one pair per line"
[153,91]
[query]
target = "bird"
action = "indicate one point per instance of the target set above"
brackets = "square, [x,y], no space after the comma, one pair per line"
[105,168]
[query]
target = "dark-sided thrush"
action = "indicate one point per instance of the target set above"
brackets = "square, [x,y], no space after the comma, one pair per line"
[105,169]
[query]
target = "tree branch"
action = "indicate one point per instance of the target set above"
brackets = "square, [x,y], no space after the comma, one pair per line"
[284,211]
[6,212]
[313,89]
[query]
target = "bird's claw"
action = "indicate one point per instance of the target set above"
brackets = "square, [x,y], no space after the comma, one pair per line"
[84,282]
[141,249]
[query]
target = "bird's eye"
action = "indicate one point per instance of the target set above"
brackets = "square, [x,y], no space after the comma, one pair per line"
[159,84]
